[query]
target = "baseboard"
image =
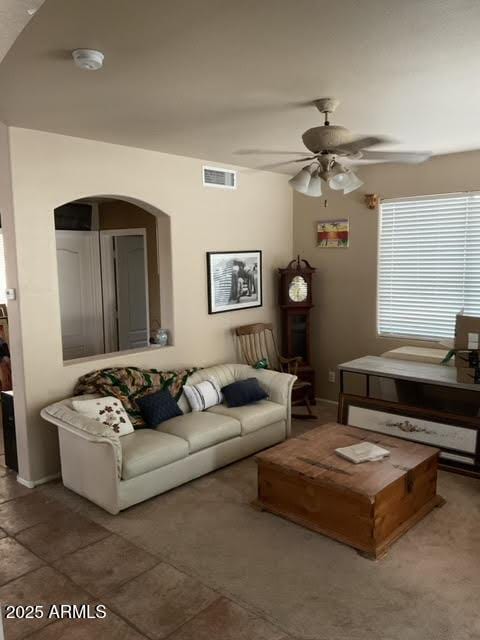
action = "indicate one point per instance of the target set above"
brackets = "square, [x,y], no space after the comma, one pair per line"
[327,400]
[31,484]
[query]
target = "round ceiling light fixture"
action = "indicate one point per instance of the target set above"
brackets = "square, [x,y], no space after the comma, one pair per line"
[88,59]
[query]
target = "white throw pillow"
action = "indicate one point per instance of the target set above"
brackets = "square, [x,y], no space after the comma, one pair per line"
[203,395]
[108,410]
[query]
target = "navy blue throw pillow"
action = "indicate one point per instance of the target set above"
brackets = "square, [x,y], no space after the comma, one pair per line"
[158,407]
[243,392]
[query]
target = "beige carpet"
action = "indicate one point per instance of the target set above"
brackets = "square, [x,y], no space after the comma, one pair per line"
[426,588]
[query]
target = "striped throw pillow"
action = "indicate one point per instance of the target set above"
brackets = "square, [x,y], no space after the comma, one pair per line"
[203,395]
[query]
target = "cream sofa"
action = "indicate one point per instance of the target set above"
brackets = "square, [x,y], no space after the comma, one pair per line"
[116,473]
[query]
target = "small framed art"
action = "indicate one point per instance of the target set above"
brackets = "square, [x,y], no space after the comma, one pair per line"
[333,233]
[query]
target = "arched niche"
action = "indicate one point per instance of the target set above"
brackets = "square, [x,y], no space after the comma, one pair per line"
[114,264]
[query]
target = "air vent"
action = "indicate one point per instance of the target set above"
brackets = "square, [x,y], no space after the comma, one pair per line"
[220,178]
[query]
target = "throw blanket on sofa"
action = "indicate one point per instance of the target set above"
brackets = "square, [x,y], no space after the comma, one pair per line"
[130,383]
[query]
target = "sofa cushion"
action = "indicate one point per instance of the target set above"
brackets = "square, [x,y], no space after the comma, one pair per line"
[243,392]
[253,416]
[203,395]
[107,410]
[202,429]
[158,407]
[148,449]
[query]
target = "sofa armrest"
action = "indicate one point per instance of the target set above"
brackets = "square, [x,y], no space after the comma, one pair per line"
[84,428]
[277,385]
[279,388]
[90,455]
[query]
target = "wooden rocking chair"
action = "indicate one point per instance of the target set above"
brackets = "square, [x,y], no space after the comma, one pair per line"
[257,343]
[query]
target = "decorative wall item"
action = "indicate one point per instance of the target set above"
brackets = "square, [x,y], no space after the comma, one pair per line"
[372,200]
[333,233]
[234,280]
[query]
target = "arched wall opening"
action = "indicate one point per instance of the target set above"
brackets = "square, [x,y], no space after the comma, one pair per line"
[114,268]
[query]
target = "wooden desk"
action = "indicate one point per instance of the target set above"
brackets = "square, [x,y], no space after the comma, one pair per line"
[426,404]
[445,376]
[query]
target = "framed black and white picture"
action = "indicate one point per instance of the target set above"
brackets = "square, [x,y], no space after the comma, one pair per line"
[234,280]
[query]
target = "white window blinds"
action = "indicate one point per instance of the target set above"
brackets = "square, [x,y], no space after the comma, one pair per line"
[428,264]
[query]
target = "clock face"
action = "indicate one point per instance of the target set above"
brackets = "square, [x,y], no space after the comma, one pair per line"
[298,289]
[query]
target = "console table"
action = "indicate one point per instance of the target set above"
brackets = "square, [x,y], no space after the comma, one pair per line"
[416,401]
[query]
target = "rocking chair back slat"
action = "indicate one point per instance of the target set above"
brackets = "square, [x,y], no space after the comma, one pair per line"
[257,342]
[258,346]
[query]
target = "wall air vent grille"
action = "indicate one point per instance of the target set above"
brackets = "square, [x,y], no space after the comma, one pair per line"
[220,178]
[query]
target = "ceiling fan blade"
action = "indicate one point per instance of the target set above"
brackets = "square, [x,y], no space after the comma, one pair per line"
[409,157]
[274,165]
[281,164]
[267,152]
[361,143]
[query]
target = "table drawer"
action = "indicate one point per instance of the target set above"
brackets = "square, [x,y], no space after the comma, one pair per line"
[457,436]
[436,434]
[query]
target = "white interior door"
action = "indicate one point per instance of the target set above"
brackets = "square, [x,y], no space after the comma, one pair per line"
[79,283]
[132,292]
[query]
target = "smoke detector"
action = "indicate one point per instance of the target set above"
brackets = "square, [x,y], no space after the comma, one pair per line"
[88,59]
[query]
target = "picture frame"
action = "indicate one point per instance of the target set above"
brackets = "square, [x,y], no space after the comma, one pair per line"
[234,280]
[333,233]
[457,437]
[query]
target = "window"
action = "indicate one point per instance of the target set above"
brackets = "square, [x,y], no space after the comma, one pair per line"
[3,277]
[428,264]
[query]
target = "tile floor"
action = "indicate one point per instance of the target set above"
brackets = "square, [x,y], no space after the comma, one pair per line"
[50,554]
[198,563]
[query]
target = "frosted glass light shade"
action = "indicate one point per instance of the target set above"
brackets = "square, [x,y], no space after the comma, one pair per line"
[340,181]
[301,181]
[355,183]
[315,186]
[345,180]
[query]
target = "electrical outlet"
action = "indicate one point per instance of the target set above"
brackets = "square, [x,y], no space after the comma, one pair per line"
[331,376]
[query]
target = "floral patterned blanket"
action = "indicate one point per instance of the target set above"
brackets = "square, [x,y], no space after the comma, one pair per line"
[130,383]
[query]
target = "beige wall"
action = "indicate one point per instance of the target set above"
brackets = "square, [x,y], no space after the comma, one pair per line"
[15,338]
[14,321]
[124,215]
[49,170]
[344,317]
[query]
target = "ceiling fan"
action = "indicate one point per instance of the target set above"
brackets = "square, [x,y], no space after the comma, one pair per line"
[332,144]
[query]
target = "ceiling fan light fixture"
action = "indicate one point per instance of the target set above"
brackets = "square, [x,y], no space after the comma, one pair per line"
[315,186]
[301,181]
[338,177]
[343,179]
[328,142]
[355,183]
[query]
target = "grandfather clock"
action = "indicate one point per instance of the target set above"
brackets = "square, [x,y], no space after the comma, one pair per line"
[295,304]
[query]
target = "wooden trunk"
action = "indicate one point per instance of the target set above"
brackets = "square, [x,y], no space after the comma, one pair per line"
[336,499]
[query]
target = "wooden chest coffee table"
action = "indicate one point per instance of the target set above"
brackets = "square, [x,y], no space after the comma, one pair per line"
[368,505]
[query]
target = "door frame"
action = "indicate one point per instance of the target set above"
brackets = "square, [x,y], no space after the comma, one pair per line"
[109,284]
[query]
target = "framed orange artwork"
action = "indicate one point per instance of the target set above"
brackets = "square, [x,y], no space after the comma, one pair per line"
[333,234]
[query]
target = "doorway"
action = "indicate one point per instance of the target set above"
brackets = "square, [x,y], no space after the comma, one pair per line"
[124,270]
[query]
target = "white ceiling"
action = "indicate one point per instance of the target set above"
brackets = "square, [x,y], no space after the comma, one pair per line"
[208,79]
[14,15]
